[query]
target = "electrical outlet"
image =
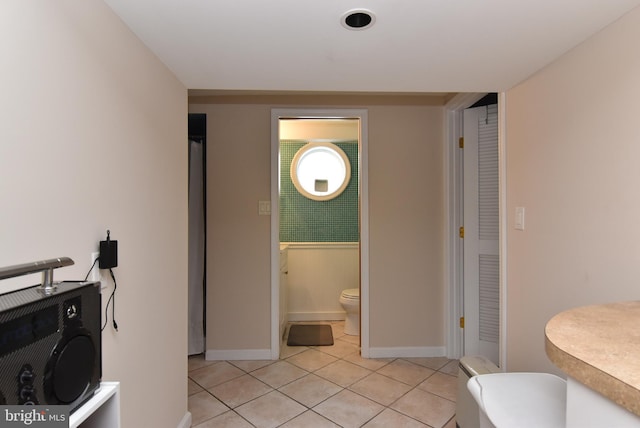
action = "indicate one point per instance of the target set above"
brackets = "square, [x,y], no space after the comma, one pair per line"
[95,272]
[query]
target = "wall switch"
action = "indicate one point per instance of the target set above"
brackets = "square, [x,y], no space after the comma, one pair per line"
[264,207]
[519,223]
[95,272]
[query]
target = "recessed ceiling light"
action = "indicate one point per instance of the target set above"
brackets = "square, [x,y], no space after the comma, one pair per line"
[358,19]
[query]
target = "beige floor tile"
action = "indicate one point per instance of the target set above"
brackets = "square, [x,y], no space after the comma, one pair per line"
[309,419]
[434,363]
[193,387]
[381,389]
[204,406]
[392,419]
[404,371]
[444,385]
[343,373]
[337,328]
[355,340]
[451,423]
[451,368]
[215,374]
[240,390]
[197,362]
[279,374]
[348,409]
[311,359]
[288,351]
[311,382]
[339,349]
[251,365]
[310,390]
[425,407]
[228,419]
[368,363]
[270,410]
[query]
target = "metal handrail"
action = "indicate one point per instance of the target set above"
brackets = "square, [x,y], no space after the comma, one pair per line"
[44,266]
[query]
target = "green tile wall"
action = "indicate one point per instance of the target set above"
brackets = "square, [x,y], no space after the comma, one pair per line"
[304,220]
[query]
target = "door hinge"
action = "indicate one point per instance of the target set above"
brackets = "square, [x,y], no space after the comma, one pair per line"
[461,232]
[461,142]
[461,322]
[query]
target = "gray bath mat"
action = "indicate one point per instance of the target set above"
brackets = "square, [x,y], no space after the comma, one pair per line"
[310,335]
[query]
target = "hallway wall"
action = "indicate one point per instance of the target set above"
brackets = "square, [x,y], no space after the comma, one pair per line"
[406,225]
[93,129]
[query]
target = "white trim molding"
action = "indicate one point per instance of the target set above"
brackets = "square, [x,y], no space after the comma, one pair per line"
[408,352]
[317,316]
[502,177]
[186,421]
[320,245]
[454,303]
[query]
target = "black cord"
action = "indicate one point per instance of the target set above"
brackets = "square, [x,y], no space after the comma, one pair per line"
[113,304]
[91,268]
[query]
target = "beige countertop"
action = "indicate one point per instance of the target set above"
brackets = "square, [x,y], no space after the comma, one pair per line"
[599,346]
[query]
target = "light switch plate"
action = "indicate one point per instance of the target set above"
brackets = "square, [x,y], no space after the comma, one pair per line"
[519,223]
[264,207]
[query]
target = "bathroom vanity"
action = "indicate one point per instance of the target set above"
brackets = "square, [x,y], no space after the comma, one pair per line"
[598,347]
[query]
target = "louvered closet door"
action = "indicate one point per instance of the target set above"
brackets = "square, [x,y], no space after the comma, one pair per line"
[481,260]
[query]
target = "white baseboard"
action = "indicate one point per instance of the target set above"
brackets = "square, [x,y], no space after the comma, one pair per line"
[237,354]
[316,316]
[186,421]
[408,352]
[390,352]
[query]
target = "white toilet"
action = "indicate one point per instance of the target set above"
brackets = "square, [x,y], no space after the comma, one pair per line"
[350,301]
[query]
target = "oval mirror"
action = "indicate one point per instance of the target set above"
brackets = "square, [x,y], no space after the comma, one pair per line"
[320,171]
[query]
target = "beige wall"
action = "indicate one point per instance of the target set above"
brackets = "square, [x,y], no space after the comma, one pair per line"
[238,239]
[319,129]
[93,137]
[406,225]
[572,142]
[406,203]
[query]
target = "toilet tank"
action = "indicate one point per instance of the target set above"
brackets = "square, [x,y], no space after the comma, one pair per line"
[467,415]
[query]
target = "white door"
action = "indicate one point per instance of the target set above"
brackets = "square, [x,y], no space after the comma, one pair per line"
[481,233]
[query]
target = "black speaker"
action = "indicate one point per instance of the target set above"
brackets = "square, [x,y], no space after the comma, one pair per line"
[50,344]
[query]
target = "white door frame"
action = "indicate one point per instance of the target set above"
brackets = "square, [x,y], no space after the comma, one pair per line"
[362,115]
[502,221]
[453,168]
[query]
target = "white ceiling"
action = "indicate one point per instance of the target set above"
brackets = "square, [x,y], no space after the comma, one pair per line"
[415,46]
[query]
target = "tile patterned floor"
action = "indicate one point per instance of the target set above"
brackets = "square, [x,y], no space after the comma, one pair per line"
[324,386]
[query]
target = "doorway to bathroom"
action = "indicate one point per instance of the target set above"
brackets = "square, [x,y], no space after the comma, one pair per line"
[320,222]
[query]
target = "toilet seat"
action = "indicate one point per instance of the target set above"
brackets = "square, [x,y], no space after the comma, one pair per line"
[351,294]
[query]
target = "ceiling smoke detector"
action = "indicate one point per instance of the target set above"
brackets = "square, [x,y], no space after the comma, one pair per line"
[358,19]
